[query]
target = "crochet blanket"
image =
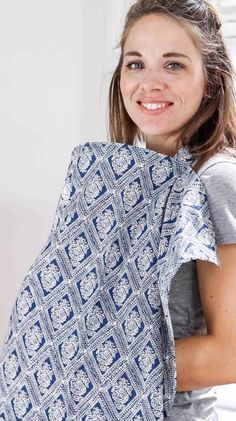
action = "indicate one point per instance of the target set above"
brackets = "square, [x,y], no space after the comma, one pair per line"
[90,335]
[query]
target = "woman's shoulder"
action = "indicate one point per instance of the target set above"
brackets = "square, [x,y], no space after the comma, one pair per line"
[218,175]
[221,165]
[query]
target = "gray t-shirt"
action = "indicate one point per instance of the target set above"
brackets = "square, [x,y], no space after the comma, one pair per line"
[218,175]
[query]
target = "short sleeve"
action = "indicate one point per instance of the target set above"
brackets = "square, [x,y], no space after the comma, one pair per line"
[219,179]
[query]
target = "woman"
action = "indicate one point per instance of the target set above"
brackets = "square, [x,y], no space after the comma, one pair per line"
[173,87]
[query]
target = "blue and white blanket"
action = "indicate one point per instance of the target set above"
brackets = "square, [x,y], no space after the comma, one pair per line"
[90,336]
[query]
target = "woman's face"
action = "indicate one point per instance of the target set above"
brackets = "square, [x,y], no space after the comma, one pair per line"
[162,80]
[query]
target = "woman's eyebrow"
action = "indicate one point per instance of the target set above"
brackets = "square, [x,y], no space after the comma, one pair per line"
[133,53]
[170,54]
[173,54]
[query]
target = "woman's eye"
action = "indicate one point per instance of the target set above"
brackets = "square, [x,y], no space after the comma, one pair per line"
[137,65]
[174,66]
[134,65]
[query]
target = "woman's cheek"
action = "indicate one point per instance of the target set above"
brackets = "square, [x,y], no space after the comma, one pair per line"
[127,86]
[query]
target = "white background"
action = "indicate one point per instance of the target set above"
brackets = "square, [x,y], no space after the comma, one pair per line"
[56,61]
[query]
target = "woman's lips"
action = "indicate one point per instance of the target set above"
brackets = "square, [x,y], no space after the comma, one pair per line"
[154,108]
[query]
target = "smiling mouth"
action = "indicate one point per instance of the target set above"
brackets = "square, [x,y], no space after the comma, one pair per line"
[154,107]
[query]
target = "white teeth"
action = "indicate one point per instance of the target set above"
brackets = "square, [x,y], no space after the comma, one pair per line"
[154,106]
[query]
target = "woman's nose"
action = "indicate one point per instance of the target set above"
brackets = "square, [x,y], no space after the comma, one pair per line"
[152,79]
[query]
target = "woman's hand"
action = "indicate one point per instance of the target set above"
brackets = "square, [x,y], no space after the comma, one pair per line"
[209,360]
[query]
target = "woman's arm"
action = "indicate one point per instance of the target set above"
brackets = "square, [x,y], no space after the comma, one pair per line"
[210,360]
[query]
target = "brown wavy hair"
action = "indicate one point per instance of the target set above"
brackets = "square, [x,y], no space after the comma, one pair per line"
[213,127]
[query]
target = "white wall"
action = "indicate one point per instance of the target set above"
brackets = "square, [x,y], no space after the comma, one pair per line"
[40,121]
